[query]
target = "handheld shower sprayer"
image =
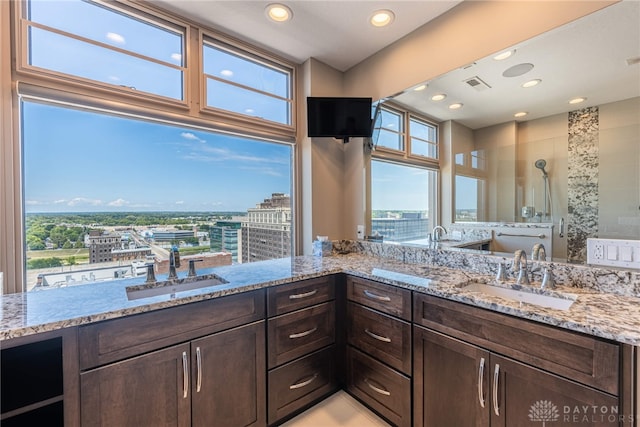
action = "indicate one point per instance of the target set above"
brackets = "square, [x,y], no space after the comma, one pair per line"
[540,164]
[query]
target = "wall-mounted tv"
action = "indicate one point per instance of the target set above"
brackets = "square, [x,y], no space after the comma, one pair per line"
[340,118]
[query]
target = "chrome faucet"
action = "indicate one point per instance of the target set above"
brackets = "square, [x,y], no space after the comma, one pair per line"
[520,262]
[434,235]
[538,253]
[172,266]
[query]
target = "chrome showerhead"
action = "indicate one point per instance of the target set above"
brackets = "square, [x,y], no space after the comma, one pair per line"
[540,164]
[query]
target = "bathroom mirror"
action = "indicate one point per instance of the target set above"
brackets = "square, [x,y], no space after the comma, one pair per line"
[559,160]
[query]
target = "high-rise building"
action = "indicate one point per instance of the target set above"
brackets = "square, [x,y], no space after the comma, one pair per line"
[223,237]
[409,226]
[101,245]
[266,231]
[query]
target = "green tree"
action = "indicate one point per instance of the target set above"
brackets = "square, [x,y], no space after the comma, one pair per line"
[44,263]
[67,245]
[71,260]
[34,243]
[79,244]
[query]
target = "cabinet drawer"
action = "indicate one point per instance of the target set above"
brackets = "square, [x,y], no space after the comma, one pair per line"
[117,339]
[582,358]
[384,390]
[295,334]
[386,298]
[384,337]
[286,298]
[299,383]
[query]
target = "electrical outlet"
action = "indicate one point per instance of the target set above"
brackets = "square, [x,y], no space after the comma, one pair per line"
[360,231]
[614,252]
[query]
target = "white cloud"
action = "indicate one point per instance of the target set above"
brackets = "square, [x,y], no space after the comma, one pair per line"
[191,136]
[59,201]
[79,201]
[114,78]
[176,57]
[32,202]
[118,202]
[180,202]
[226,73]
[116,38]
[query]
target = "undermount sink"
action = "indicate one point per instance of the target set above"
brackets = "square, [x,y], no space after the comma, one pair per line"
[169,287]
[563,302]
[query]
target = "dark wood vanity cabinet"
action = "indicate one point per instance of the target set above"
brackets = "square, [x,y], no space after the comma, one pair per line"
[302,355]
[379,348]
[213,380]
[508,372]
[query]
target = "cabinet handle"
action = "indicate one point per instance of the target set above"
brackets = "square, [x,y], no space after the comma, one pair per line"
[185,375]
[303,383]
[376,336]
[375,296]
[496,378]
[199,363]
[481,382]
[303,295]
[377,389]
[303,334]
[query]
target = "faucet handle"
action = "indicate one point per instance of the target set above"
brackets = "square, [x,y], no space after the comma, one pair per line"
[192,267]
[523,276]
[548,279]
[151,276]
[501,275]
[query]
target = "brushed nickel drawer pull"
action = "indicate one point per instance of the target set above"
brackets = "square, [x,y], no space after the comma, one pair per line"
[374,296]
[303,295]
[185,375]
[377,389]
[199,363]
[303,383]
[496,378]
[481,382]
[376,336]
[303,334]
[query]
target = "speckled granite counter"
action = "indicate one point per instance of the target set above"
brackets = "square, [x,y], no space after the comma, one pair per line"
[615,317]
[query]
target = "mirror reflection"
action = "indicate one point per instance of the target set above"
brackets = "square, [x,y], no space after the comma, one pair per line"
[548,133]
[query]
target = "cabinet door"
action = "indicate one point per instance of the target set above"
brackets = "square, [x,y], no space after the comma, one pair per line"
[450,381]
[229,378]
[149,390]
[527,396]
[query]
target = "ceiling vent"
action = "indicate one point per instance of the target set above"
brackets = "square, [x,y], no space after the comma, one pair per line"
[477,83]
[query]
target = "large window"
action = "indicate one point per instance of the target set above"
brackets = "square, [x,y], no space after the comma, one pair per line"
[104,193]
[121,160]
[404,177]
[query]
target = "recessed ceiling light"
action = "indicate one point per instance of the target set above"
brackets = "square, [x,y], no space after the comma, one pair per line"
[520,114]
[455,106]
[504,55]
[419,88]
[381,18]
[278,12]
[577,100]
[438,97]
[532,83]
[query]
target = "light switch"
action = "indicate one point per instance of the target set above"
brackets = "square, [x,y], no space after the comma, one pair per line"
[612,252]
[626,253]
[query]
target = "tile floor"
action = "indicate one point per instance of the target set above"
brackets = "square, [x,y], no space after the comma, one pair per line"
[338,410]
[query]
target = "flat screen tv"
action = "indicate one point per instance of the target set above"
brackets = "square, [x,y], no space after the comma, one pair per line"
[340,118]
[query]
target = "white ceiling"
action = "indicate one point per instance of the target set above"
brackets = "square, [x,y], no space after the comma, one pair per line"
[336,32]
[584,58]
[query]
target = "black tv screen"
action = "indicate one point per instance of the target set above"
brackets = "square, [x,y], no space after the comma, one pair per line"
[340,118]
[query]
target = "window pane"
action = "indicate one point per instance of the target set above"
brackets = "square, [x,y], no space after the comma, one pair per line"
[238,100]
[75,57]
[98,23]
[423,139]
[468,193]
[266,92]
[402,200]
[104,194]
[70,56]
[391,130]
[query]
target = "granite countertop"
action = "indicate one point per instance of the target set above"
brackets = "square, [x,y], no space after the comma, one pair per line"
[603,315]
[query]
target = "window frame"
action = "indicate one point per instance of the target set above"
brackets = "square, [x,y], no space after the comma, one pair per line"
[19,79]
[405,158]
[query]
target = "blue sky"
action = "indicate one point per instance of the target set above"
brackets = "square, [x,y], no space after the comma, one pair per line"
[77,161]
